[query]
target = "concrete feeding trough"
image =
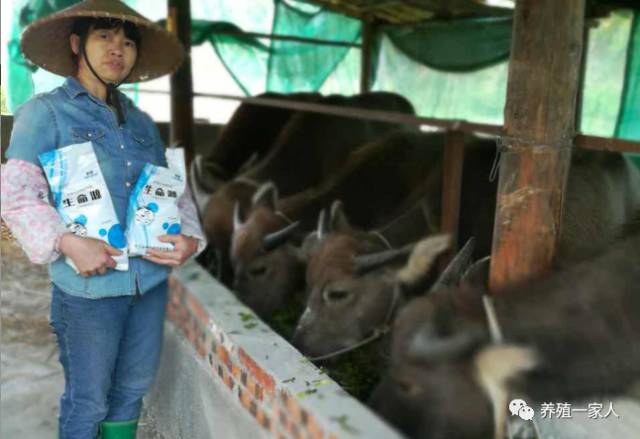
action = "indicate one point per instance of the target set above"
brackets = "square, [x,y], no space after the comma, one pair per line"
[225,373]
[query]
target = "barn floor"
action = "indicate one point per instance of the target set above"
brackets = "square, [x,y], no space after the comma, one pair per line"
[31,378]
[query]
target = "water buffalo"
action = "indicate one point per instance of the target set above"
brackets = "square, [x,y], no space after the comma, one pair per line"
[602,192]
[572,334]
[246,138]
[308,147]
[384,182]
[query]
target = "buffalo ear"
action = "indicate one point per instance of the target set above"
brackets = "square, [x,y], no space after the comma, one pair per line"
[266,196]
[422,258]
[427,345]
[495,366]
[338,221]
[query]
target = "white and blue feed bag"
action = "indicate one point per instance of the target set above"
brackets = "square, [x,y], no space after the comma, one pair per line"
[153,205]
[82,199]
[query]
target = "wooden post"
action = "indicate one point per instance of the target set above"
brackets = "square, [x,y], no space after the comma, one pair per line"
[368,30]
[544,74]
[179,23]
[451,188]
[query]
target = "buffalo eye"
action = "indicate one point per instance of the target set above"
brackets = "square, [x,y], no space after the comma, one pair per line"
[336,295]
[257,271]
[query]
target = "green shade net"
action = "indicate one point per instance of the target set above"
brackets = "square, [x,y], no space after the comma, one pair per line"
[244,57]
[447,88]
[280,65]
[24,77]
[628,126]
[20,71]
[295,66]
[449,69]
[454,45]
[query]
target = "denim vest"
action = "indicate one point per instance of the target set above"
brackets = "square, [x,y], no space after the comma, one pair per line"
[69,115]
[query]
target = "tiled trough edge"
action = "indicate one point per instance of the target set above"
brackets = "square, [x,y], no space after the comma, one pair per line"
[284,393]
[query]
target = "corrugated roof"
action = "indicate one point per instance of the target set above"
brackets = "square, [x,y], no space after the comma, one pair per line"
[415,11]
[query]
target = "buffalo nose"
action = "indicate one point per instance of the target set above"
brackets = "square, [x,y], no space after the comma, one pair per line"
[297,337]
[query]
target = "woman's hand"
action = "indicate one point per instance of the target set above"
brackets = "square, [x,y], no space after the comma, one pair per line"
[184,247]
[91,256]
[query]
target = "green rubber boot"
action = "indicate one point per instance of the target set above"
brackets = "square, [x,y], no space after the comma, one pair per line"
[118,430]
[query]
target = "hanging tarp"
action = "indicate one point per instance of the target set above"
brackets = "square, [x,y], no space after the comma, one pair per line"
[454,45]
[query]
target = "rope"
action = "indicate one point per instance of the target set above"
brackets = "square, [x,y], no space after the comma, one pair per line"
[378,332]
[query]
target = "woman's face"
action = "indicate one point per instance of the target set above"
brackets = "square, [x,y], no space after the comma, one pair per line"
[111,54]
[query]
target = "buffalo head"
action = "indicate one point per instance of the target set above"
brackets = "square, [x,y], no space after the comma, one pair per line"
[353,281]
[267,267]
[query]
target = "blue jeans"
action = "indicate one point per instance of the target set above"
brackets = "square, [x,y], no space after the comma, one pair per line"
[109,350]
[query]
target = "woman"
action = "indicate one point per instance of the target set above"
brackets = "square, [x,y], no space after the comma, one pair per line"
[108,323]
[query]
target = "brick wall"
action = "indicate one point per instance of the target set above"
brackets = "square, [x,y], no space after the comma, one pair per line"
[287,396]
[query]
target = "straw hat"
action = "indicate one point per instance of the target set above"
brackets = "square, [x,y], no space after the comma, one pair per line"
[45,42]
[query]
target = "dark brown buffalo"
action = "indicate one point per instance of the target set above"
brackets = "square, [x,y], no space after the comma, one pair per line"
[246,138]
[309,147]
[248,135]
[573,334]
[384,182]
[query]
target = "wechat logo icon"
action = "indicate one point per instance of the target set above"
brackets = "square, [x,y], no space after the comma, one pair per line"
[518,407]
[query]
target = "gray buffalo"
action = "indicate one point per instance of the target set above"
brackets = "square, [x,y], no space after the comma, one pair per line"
[457,360]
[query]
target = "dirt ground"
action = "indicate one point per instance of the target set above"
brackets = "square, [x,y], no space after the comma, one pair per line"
[31,379]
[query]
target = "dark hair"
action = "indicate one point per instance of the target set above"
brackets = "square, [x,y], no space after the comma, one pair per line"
[82,25]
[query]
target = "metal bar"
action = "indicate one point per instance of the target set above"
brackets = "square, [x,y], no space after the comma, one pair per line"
[305,40]
[580,141]
[358,113]
[368,29]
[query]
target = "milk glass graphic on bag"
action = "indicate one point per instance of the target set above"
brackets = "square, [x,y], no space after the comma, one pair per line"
[153,205]
[81,197]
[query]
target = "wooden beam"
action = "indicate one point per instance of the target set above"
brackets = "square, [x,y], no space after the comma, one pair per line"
[452,188]
[368,34]
[606,144]
[179,22]
[544,74]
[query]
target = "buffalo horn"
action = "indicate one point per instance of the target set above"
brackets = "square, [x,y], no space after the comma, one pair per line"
[237,222]
[273,240]
[368,262]
[452,274]
[321,230]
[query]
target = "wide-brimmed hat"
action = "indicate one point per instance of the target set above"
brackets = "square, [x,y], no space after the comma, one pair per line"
[45,42]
